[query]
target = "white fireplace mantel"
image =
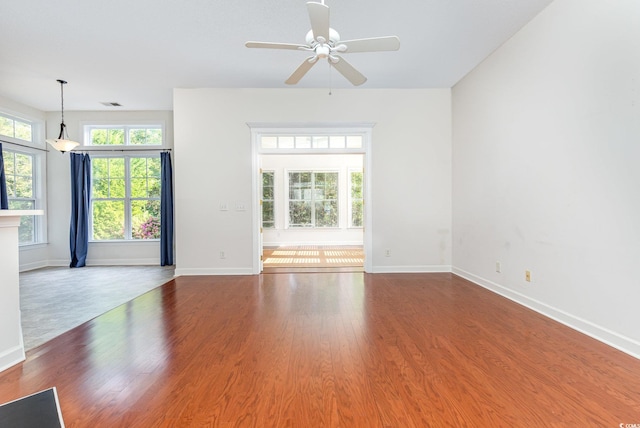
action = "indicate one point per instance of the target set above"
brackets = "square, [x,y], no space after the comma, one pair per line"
[11,342]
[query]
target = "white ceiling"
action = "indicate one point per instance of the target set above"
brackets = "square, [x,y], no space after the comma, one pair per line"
[135,51]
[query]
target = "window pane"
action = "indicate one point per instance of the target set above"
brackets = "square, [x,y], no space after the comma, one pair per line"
[137,136]
[116,137]
[146,136]
[153,165]
[268,220]
[299,214]
[24,187]
[154,136]
[320,142]
[23,165]
[354,142]
[11,186]
[286,142]
[327,214]
[145,219]
[356,199]
[98,137]
[155,187]
[23,130]
[337,142]
[6,126]
[267,193]
[356,213]
[356,185]
[269,142]
[116,178]
[26,231]
[300,185]
[9,162]
[267,179]
[303,142]
[108,220]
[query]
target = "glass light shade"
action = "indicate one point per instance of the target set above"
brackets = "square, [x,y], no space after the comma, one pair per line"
[62,145]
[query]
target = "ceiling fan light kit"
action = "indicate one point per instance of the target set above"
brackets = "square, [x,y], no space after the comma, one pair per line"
[324,42]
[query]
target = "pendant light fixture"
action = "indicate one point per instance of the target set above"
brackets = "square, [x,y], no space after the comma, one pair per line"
[62,143]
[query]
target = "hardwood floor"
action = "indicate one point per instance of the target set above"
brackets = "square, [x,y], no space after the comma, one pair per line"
[313,258]
[329,350]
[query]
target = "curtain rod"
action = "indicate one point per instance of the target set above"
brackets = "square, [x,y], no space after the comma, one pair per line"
[121,150]
[23,145]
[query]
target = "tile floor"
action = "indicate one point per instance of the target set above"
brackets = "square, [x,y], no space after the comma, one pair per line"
[54,300]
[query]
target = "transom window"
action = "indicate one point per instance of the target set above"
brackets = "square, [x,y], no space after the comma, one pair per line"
[14,127]
[125,201]
[124,135]
[305,142]
[313,199]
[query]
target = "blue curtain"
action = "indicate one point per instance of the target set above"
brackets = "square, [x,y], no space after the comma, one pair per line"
[4,198]
[80,193]
[166,211]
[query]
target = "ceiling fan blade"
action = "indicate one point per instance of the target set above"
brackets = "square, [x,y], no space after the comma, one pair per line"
[319,17]
[269,45]
[301,70]
[374,44]
[348,71]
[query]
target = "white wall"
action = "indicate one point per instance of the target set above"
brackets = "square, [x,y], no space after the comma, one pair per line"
[341,235]
[545,168]
[411,171]
[59,187]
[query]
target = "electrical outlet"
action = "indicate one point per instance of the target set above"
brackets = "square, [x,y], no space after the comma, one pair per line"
[387,253]
[527,275]
[498,267]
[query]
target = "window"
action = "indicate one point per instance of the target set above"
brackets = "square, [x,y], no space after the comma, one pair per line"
[19,171]
[125,201]
[313,199]
[24,170]
[124,135]
[317,142]
[268,214]
[355,199]
[14,127]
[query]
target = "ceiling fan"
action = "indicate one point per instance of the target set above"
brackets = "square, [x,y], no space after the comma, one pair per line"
[324,42]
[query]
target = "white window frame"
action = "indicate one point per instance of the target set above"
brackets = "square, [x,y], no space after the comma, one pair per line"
[313,219]
[87,127]
[128,230]
[273,201]
[350,200]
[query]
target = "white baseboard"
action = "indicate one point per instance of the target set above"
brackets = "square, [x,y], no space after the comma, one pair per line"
[604,335]
[412,269]
[211,271]
[108,262]
[11,357]
[32,266]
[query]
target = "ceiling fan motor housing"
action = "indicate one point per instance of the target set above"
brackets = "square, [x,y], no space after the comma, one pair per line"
[334,38]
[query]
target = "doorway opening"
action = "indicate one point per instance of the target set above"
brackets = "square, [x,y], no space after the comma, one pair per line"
[310,188]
